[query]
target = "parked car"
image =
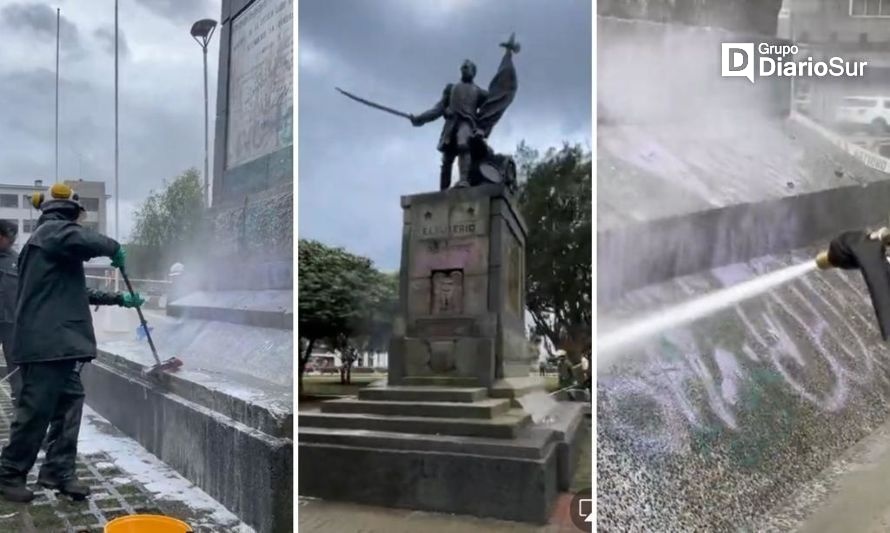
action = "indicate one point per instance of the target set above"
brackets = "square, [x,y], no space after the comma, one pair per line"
[871,112]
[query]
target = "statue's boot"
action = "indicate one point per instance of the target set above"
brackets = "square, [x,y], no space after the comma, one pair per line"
[463,163]
[445,173]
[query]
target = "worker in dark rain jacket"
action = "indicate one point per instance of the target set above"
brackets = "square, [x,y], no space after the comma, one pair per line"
[53,338]
[8,286]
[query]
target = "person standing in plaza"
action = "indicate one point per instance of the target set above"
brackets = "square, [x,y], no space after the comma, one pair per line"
[53,338]
[8,286]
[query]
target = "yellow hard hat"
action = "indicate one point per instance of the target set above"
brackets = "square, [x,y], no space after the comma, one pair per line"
[59,191]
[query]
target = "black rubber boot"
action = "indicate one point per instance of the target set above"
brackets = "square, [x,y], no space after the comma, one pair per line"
[15,492]
[71,488]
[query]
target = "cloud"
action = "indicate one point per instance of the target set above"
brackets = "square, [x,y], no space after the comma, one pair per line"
[355,162]
[40,21]
[161,109]
[182,12]
[105,36]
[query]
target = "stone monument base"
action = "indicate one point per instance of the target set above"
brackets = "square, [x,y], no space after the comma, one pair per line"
[225,419]
[461,427]
[443,448]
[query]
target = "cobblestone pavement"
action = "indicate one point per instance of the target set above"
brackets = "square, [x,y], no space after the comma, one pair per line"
[151,488]
[320,516]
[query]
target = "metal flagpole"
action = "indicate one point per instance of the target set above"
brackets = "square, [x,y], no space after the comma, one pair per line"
[58,19]
[117,189]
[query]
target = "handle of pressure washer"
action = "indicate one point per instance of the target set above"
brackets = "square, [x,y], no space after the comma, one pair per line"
[151,343]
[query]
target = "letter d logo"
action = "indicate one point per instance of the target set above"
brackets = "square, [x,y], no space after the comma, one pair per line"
[738,60]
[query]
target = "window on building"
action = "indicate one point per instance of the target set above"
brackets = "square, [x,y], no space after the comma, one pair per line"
[28,225]
[9,200]
[870,8]
[90,204]
[859,102]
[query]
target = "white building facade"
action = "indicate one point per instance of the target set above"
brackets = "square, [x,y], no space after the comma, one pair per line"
[15,206]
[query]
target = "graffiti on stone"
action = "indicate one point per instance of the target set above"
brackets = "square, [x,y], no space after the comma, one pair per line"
[811,345]
[260,118]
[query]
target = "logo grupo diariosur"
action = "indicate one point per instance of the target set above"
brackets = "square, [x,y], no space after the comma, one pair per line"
[738,60]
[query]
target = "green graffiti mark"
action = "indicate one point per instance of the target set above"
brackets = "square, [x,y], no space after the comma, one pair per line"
[765,426]
[670,350]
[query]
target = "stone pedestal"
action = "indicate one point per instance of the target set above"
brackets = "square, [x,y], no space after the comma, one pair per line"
[462,289]
[449,431]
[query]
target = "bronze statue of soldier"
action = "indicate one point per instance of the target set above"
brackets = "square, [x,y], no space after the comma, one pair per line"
[470,113]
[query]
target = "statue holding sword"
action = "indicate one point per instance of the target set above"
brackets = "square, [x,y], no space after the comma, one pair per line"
[470,114]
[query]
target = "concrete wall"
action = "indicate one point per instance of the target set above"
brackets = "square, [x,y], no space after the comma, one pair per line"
[231,185]
[636,255]
[246,470]
[252,215]
[252,243]
[707,427]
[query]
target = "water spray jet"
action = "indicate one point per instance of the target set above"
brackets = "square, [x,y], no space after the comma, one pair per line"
[695,309]
[849,251]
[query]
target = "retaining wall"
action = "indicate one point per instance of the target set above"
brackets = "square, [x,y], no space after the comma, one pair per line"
[708,427]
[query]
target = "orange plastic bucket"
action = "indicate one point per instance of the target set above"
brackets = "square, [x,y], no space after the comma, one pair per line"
[147,523]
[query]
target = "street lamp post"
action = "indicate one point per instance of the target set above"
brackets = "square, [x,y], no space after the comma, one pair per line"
[202,31]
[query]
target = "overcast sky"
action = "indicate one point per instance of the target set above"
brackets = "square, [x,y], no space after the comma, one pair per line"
[355,162]
[161,93]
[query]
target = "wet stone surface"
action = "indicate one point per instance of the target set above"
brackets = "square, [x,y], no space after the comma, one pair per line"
[320,516]
[712,425]
[115,493]
[648,173]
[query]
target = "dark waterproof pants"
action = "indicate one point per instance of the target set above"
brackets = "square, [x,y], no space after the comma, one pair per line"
[15,381]
[52,397]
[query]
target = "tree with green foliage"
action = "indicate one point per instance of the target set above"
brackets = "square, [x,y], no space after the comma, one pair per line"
[343,301]
[555,200]
[171,221]
[376,328]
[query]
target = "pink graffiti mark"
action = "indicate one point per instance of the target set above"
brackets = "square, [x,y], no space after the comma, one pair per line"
[455,256]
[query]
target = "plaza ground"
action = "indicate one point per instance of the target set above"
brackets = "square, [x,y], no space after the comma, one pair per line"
[124,478]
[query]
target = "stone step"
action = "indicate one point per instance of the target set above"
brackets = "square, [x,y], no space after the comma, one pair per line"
[504,426]
[530,443]
[516,387]
[400,393]
[441,381]
[482,409]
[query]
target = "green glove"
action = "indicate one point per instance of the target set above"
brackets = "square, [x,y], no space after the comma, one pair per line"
[131,300]
[119,258]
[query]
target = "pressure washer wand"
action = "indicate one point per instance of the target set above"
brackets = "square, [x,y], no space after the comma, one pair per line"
[171,364]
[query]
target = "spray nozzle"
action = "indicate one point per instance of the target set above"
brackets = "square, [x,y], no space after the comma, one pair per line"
[822,261]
